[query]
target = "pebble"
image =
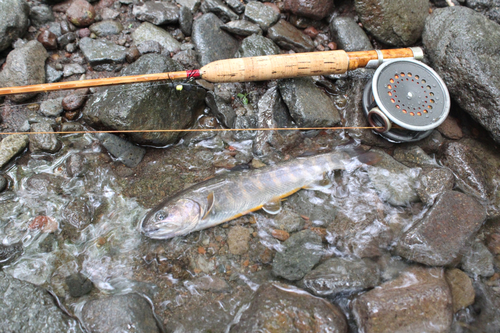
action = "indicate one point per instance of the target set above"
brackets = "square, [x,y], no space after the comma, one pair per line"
[348,35]
[13,21]
[106,28]
[44,142]
[238,240]
[44,223]
[67,38]
[256,45]
[237,6]
[102,54]
[187,59]
[242,28]
[218,8]
[186,20]
[158,13]
[289,221]
[73,69]
[258,13]
[109,14]
[450,129]
[75,99]
[78,285]
[12,145]
[478,261]
[41,15]
[149,46]
[315,9]
[10,253]
[124,151]
[462,291]
[75,164]
[290,38]
[433,182]
[147,31]
[133,54]
[51,107]
[81,13]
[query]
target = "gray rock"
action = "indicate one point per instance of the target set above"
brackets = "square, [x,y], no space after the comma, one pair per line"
[478,261]
[455,217]
[3,185]
[44,142]
[102,54]
[211,42]
[12,145]
[290,38]
[78,285]
[288,221]
[397,23]
[10,253]
[66,39]
[55,28]
[348,35]
[149,46]
[488,300]
[148,106]
[260,14]
[186,20]
[470,66]
[308,105]
[242,28]
[71,48]
[256,45]
[301,252]
[243,122]
[192,5]
[24,66]
[106,28]
[158,13]
[119,314]
[41,15]
[273,301]
[51,107]
[27,308]
[433,182]
[187,59]
[237,6]
[338,275]
[220,9]
[73,69]
[148,31]
[13,21]
[414,156]
[211,283]
[489,8]
[75,162]
[221,109]
[124,151]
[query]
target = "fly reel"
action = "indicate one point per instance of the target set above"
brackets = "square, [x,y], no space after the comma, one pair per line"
[405,100]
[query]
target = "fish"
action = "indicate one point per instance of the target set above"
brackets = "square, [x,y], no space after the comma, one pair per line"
[229,196]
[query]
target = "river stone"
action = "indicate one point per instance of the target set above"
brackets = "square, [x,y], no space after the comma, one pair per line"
[338,275]
[149,46]
[242,28]
[433,182]
[80,13]
[461,288]
[308,105]
[218,8]
[78,285]
[396,23]
[238,239]
[44,142]
[24,66]
[12,145]
[75,99]
[478,261]
[106,28]
[237,6]
[158,13]
[314,9]
[148,31]
[41,15]
[488,300]
[66,39]
[220,99]
[73,69]
[284,308]
[489,8]
[462,46]
[348,35]
[52,74]
[124,151]
[27,308]
[290,38]
[186,20]
[255,45]
[102,54]
[10,253]
[122,313]
[300,253]
[258,13]
[414,156]
[419,300]
[3,186]
[193,5]
[13,21]
[211,42]
[455,217]
[151,106]
[51,107]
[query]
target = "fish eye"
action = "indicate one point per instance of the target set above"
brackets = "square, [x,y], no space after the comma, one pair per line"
[161,215]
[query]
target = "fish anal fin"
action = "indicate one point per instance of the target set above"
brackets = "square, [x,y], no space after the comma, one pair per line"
[210,204]
[273,207]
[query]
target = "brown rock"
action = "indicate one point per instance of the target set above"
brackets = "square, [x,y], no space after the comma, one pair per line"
[44,223]
[71,115]
[450,129]
[85,32]
[462,291]
[238,239]
[48,39]
[81,13]
[132,54]
[75,100]
[419,300]
[315,9]
[311,32]
[437,239]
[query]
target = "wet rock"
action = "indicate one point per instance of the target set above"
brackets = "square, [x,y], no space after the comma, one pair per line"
[397,23]
[78,285]
[455,217]
[338,275]
[433,182]
[308,105]
[193,5]
[288,221]
[44,142]
[119,313]
[3,185]
[149,46]
[299,255]
[185,20]
[237,6]
[75,163]
[255,45]
[76,212]
[220,102]
[470,67]
[153,106]
[158,13]
[187,59]
[218,8]
[414,156]
[52,74]
[243,122]
[450,129]
[75,100]
[109,14]
[27,308]
[258,13]
[102,54]
[394,182]
[461,289]
[66,39]
[478,261]
[51,107]
[133,54]
[148,31]
[73,69]
[211,283]
[211,42]
[67,27]
[348,35]
[48,39]
[124,151]
[106,28]
[316,9]
[81,13]
[24,66]
[242,28]
[41,15]
[290,38]
[419,300]
[489,8]
[284,308]
[488,300]
[13,21]
[55,28]
[12,145]
[238,240]
[10,253]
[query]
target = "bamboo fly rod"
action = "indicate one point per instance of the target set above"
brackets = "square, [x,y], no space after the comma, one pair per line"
[281,66]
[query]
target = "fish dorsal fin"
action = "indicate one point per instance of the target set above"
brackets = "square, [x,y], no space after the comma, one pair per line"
[273,207]
[210,204]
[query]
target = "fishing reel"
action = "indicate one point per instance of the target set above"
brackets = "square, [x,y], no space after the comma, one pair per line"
[405,100]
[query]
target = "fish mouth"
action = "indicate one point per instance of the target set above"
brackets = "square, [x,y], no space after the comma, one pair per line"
[157,233]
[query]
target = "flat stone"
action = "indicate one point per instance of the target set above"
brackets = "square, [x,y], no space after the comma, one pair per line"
[220,9]
[348,35]
[211,283]
[149,46]
[147,31]
[81,13]
[44,142]
[242,28]
[52,74]
[102,54]
[260,14]
[13,21]
[109,14]
[290,38]
[461,288]
[106,28]
[75,99]
[124,151]
[315,9]
[256,45]
[73,69]
[158,13]
[187,59]
[455,217]
[51,107]
[414,156]
[238,240]
[12,145]
[433,182]
[451,129]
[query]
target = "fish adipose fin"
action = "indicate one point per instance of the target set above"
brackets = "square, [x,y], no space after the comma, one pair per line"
[273,207]
[210,204]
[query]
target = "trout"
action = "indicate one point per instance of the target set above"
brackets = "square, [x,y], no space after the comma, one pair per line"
[229,196]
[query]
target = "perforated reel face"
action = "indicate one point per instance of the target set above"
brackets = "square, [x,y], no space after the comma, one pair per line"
[411,94]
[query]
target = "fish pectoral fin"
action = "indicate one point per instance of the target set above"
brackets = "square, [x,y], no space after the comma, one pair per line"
[273,207]
[321,184]
[210,204]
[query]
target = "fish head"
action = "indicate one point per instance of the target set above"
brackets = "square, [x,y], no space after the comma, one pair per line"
[174,218]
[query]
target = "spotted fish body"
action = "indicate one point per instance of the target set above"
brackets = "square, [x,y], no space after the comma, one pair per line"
[229,196]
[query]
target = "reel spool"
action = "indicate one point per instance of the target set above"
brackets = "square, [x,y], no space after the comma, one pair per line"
[407,99]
